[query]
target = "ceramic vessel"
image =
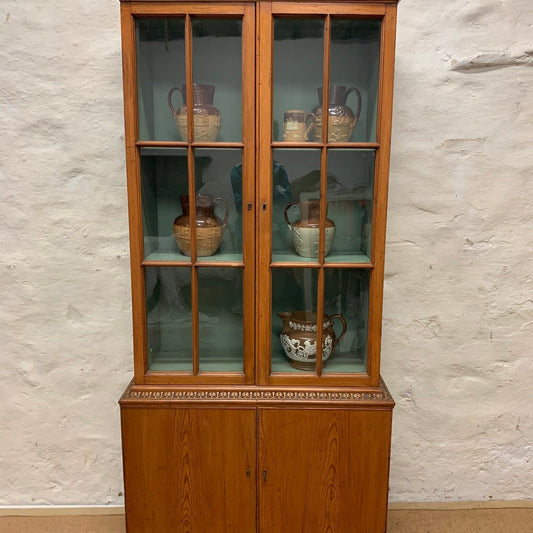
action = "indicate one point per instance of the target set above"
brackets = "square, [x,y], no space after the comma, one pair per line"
[207,118]
[209,227]
[342,119]
[297,125]
[298,337]
[305,230]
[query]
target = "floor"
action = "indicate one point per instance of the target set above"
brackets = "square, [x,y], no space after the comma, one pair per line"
[516,520]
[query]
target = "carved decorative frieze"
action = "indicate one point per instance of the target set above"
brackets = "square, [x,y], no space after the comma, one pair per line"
[174,394]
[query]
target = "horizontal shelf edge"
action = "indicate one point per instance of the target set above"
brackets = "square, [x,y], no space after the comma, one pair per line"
[315,145]
[283,264]
[183,144]
[211,264]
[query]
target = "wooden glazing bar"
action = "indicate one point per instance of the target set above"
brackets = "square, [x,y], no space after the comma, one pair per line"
[323,194]
[354,266]
[319,321]
[195,321]
[304,145]
[348,8]
[207,264]
[192,194]
[184,144]
[315,145]
[386,85]
[134,194]
[149,9]
[162,144]
[353,146]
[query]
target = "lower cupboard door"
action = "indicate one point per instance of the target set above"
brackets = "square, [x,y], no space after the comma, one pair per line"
[323,471]
[189,470]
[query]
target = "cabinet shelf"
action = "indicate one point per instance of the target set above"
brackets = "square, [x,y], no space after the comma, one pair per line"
[177,259]
[288,260]
[341,363]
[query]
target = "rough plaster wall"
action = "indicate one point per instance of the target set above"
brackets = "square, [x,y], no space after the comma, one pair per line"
[458,310]
[458,314]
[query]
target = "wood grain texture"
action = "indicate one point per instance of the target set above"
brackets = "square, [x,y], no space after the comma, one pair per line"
[134,194]
[189,470]
[264,219]
[381,187]
[248,189]
[323,471]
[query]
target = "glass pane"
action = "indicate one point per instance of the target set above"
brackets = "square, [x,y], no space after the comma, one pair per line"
[346,302]
[294,294]
[354,80]
[220,319]
[350,204]
[160,67]
[298,69]
[217,74]
[164,180]
[219,205]
[168,319]
[296,183]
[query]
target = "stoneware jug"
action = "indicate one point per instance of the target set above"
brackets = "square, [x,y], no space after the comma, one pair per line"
[209,227]
[298,337]
[342,119]
[207,118]
[305,230]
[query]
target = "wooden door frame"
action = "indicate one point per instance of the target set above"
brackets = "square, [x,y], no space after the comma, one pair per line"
[387,14]
[246,10]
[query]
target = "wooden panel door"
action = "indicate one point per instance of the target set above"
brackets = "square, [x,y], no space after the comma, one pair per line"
[323,470]
[189,470]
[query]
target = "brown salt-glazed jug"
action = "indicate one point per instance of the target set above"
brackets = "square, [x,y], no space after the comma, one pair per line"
[298,337]
[342,119]
[305,230]
[207,118]
[209,227]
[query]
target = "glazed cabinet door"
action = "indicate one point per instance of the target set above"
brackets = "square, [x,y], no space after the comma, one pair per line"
[323,470]
[190,126]
[323,185]
[189,470]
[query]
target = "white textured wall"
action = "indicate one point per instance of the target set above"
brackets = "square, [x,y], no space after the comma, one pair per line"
[458,317]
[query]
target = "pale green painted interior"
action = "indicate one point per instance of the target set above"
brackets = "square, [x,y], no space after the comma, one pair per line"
[345,292]
[164,178]
[169,320]
[349,196]
[217,60]
[298,68]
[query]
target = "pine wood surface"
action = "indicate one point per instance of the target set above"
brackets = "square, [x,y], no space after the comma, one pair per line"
[189,470]
[323,471]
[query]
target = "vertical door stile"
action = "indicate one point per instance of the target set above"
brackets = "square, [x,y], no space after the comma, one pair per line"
[381,177]
[264,207]
[192,192]
[323,195]
[249,192]
[134,193]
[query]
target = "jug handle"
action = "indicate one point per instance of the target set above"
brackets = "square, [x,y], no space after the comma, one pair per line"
[285,212]
[174,112]
[309,124]
[227,207]
[359,102]
[342,319]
